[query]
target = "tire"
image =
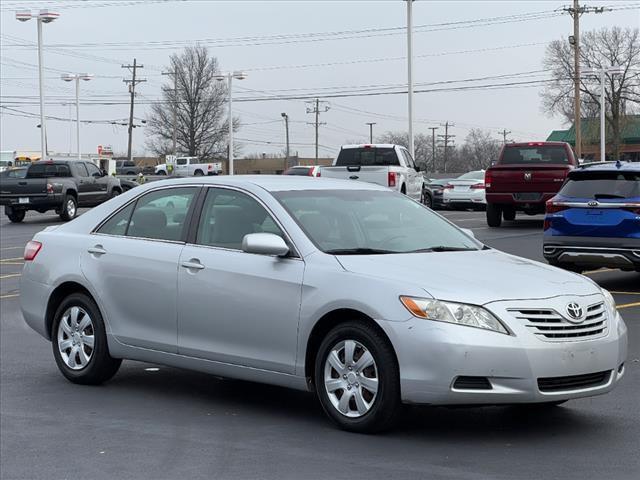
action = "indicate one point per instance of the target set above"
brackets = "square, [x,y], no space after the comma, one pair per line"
[114,193]
[494,215]
[80,363]
[69,208]
[130,173]
[16,216]
[198,173]
[426,200]
[375,411]
[161,172]
[509,214]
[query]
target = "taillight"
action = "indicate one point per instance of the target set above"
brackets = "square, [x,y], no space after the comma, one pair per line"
[319,172]
[49,188]
[31,249]
[554,207]
[478,186]
[310,172]
[392,178]
[210,167]
[487,179]
[448,186]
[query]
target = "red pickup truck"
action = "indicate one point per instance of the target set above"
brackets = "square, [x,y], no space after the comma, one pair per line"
[525,176]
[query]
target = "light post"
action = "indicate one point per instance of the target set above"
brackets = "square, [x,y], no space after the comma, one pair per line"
[410,72]
[229,77]
[371,124]
[44,16]
[286,127]
[603,106]
[70,77]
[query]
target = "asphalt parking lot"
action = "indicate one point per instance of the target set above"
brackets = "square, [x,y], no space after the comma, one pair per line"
[157,422]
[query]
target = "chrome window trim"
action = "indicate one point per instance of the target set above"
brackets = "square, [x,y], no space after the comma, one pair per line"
[293,254]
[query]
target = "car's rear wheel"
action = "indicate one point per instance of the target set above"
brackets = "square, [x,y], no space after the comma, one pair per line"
[427,200]
[509,214]
[80,342]
[69,208]
[494,215]
[198,173]
[161,172]
[357,378]
[16,216]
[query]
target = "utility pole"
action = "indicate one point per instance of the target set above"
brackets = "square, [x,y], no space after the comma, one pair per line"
[132,90]
[317,109]
[504,134]
[433,147]
[286,128]
[446,137]
[410,74]
[174,73]
[576,12]
[371,124]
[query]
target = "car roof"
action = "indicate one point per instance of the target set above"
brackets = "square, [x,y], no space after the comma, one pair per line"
[370,145]
[534,144]
[609,167]
[274,183]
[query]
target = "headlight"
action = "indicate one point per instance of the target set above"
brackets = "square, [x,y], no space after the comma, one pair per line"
[609,303]
[460,313]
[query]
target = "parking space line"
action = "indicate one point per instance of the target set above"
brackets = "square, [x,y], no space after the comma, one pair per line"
[601,270]
[628,305]
[2,260]
[11,295]
[11,248]
[2,264]
[10,275]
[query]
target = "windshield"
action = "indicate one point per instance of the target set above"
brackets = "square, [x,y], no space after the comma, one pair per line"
[367,156]
[544,154]
[602,185]
[368,222]
[476,175]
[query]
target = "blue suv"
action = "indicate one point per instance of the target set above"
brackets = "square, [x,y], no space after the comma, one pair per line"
[594,220]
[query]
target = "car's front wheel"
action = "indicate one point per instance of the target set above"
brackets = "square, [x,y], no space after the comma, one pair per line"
[80,342]
[357,378]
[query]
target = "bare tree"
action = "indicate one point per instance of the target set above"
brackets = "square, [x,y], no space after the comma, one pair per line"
[599,49]
[421,142]
[200,103]
[479,150]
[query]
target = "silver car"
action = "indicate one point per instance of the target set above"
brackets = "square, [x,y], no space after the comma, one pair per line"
[347,289]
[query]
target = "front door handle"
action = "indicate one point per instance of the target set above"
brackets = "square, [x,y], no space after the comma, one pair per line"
[96,250]
[193,264]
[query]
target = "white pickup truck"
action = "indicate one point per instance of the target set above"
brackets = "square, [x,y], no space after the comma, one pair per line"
[190,166]
[384,164]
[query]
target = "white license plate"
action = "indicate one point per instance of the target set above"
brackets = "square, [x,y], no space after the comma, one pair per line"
[23,200]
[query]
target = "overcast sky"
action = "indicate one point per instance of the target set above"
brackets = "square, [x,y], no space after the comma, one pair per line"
[150,31]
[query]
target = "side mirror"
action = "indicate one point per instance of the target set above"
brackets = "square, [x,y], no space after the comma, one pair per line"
[264,244]
[469,232]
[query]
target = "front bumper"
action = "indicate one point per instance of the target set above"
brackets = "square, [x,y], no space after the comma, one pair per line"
[433,355]
[592,252]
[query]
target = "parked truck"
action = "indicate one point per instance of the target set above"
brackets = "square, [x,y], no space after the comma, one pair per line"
[190,166]
[384,164]
[59,185]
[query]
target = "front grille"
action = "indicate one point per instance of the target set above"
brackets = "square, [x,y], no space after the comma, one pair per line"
[573,382]
[549,326]
[472,383]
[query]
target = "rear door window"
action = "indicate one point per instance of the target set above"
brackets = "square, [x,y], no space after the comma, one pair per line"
[371,156]
[79,169]
[162,214]
[536,154]
[602,185]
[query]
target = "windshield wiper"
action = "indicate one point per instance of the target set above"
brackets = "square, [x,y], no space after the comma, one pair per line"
[442,248]
[607,195]
[358,251]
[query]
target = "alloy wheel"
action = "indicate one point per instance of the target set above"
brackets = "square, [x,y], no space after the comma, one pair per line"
[71,208]
[351,378]
[76,338]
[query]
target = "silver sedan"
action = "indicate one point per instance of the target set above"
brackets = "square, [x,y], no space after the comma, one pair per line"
[347,289]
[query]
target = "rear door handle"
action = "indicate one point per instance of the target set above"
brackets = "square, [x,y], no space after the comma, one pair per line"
[193,264]
[96,250]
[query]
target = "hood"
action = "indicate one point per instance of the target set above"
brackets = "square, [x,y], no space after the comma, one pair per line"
[476,277]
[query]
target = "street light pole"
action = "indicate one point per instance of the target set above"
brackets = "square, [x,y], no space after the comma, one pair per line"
[44,16]
[229,77]
[371,124]
[71,78]
[286,128]
[410,72]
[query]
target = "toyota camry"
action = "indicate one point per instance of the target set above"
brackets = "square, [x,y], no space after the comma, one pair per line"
[347,289]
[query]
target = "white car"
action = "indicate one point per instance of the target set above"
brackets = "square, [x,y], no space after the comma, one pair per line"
[466,191]
[190,167]
[383,164]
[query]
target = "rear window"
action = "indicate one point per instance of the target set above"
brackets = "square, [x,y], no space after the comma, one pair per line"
[542,154]
[367,157]
[297,171]
[601,185]
[48,170]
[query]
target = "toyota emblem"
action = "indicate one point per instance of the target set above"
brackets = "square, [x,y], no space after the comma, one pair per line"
[593,203]
[527,176]
[574,311]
